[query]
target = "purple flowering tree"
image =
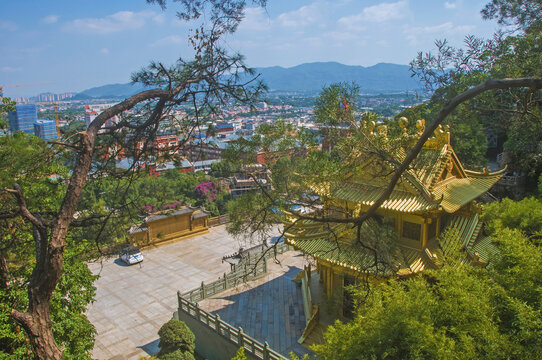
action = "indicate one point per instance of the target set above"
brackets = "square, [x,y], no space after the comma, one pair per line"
[207,190]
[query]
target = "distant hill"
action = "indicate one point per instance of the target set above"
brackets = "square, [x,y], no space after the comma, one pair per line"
[310,77]
[381,77]
[110,91]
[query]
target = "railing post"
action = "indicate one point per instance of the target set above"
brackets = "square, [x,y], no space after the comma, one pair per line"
[197,311]
[202,290]
[266,351]
[217,323]
[240,339]
[179,300]
[264,265]
[225,281]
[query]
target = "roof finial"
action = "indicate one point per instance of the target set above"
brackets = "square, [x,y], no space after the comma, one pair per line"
[403,123]
[383,130]
[420,125]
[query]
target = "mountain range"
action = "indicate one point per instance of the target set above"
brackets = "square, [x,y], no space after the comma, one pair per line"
[305,78]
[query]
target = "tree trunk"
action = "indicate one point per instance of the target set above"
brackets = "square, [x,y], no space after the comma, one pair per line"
[36,321]
[38,326]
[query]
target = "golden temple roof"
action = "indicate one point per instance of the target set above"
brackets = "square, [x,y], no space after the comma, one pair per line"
[367,194]
[360,259]
[436,180]
[459,192]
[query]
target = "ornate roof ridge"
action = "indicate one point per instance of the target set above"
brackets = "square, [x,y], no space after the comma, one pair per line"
[472,173]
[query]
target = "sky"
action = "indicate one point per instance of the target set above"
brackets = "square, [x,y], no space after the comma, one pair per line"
[73,45]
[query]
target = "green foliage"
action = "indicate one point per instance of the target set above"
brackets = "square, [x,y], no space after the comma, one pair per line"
[6,106]
[240,355]
[514,115]
[177,355]
[456,312]
[71,328]
[335,104]
[175,337]
[520,13]
[466,128]
[73,127]
[32,163]
[223,169]
[524,215]
[518,267]
[452,313]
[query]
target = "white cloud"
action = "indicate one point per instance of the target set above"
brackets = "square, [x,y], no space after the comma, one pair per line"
[10,69]
[377,13]
[301,17]
[104,51]
[448,28]
[119,21]
[160,18]
[51,19]
[168,40]
[255,19]
[450,5]
[8,25]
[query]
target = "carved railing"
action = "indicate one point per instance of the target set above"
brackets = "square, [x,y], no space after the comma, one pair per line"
[219,220]
[222,328]
[242,274]
[252,266]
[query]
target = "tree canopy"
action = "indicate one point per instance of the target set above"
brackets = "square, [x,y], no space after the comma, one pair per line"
[512,115]
[39,211]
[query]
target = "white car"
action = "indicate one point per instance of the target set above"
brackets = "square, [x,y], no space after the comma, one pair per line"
[131,255]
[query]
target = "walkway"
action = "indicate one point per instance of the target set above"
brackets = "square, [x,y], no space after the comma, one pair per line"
[133,302]
[269,308]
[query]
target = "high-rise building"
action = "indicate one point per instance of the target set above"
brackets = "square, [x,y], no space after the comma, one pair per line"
[45,129]
[23,118]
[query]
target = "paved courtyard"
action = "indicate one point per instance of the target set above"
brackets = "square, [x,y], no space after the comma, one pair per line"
[132,302]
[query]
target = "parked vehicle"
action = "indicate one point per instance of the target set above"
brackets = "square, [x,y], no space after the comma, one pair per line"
[131,255]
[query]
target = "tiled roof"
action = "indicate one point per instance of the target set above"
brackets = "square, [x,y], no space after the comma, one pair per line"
[485,249]
[458,192]
[317,240]
[169,214]
[468,245]
[420,188]
[366,194]
[429,164]
[467,227]
[360,259]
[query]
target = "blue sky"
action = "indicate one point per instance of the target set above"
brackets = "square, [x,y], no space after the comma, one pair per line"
[74,45]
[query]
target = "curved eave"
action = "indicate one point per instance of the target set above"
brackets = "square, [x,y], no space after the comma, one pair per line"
[459,192]
[481,174]
[400,201]
[345,256]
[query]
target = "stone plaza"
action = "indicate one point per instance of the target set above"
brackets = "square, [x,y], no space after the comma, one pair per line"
[133,302]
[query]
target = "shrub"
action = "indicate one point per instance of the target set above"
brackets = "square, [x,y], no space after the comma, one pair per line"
[175,335]
[177,355]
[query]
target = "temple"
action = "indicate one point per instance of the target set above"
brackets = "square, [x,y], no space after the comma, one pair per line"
[431,213]
[169,226]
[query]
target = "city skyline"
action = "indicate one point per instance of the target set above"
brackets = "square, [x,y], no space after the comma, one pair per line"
[73,47]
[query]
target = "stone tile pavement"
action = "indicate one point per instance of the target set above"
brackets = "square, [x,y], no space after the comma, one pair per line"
[269,308]
[132,302]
